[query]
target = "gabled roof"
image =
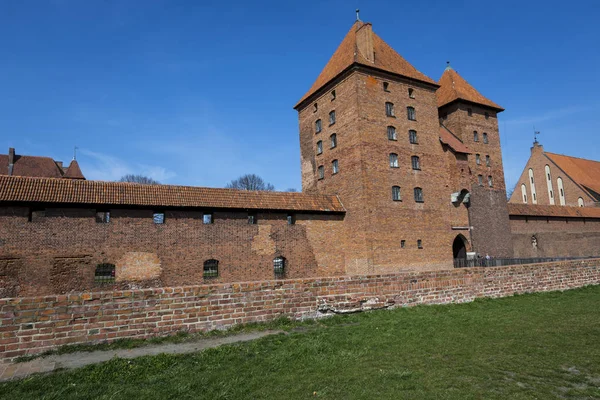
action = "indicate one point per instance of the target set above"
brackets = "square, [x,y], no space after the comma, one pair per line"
[553,211]
[81,192]
[449,139]
[30,166]
[74,172]
[454,87]
[347,54]
[585,173]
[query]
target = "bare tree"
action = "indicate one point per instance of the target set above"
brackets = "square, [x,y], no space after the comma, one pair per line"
[250,182]
[509,193]
[291,190]
[139,179]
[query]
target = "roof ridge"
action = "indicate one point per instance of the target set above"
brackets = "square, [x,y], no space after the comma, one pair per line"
[564,155]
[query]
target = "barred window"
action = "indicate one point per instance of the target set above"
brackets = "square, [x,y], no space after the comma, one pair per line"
[319,147]
[104,274]
[477,159]
[411,113]
[412,137]
[211,268]
[103,217]
[490,182]
[488,162]
[480,180]
[207,218]
[158,218]
[335,167]
[393,160]
[391,132]
[418,195]
[333,140]
[389,109]
[396,193]
[279,266]
[485,138]
[318,126]
[321,172]
[475,136]
[252,219]
[416,164]
[332,117]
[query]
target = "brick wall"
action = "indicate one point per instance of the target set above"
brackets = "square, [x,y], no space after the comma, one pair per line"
[34,324]
[58,253]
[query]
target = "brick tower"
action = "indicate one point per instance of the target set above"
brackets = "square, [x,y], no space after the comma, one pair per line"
[370,133]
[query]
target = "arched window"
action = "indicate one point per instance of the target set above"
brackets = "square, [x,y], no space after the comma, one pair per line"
[549,184]
[393,160]
[321,172]
[416,164]
[391,131]
[318,126]
[396,193]
[490,181]
[475,136]
[335,167]
[389,109]
[412,137]
[211,268]
[418,195]
[333,138]
[477,159]
[561,191]
[485,138]
[104,274]
[524,192]
[411,113]
[480,180]
[319,147]
[332,117]
[580,202]
[488,161]
[279,266]
[532,186]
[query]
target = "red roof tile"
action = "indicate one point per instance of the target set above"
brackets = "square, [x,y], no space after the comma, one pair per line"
[452,141]
[454,87]
[584,172]
[72,191]
[553,211]
[73,172]
[347,53]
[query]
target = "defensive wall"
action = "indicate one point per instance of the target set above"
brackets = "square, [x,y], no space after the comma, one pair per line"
[31,325]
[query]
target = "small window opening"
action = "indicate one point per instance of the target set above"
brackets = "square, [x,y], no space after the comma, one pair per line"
[488,162]
[211,268]
[419,244]
[207,218]
[252,219]
[396,193]
[335,167]
[393,160]
[158,217]
[333,138]
[102,217]
[470,112]
[291,219]
[475,136]
[411,93]
[389,109]
[487,115]
[478,159]
[490,181]
[321,171]
[386,86]
[315,107]
[391,132]
[104,274]
[279,267]
[318,126]
[402,243]
[485,138]
[412,137]
[412,116]
[332,118]
[319,147]
[416,164]
[480,180]
[418,195]
[332,95]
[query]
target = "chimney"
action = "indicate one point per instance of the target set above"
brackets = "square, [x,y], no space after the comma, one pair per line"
[364,42]
[537,147]
[11,160]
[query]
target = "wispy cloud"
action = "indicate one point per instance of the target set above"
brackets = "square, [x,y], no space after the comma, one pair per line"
[99,166]
[549,115]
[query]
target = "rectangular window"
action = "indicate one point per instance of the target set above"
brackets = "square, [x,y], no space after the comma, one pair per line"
[412,137]
[319,147]
[333,140]
[318,126]
[251,219]
[158,217]
[321,172]
[418,195]
[480,180]
[490,183]
[485,138]
[291,219]
[334,167]
[394,160]
[332,118]
[412,115]
[477,159]
[207,218]
[475,136]
[103,217]
[396,193]
[389,109]
[419,244]
[391,132]
[402,244]
[415,163]
[487,161]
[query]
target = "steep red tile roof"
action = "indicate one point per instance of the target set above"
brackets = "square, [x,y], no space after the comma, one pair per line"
[454,87]
[30,166]
[553,211]
[584,172]
[73,191]
[73,172]
[347,53]
[452,141]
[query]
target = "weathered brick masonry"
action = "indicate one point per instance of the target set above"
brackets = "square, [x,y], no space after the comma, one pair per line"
[34,324]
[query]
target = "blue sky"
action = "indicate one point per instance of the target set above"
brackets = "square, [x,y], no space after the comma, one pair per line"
[200,92]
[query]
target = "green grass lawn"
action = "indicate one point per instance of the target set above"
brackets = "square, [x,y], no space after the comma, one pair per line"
[539,346]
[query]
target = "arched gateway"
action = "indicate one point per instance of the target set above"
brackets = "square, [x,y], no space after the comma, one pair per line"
[459,250]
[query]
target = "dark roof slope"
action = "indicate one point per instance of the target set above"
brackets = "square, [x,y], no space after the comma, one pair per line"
[347,53]
[31,166]
[454,87]
[448,138]
[74,172]
[71,191]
